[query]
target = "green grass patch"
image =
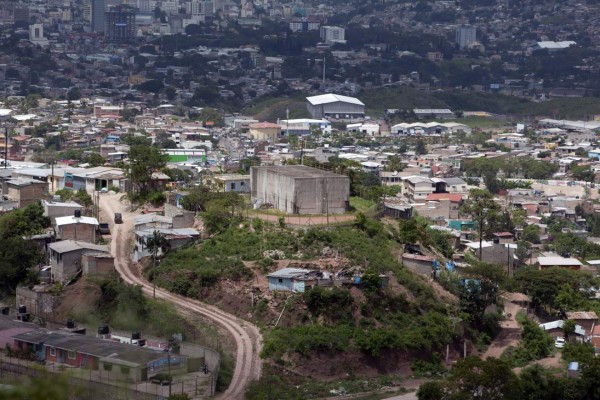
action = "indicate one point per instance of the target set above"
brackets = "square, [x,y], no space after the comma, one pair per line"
[275,385]
[359,204]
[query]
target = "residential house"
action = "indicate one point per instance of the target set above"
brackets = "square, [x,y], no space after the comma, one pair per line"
[53,209]
[76,227]
[122,362]
[25,191]
[418,263]
[555,329]
[66,257]
[291,279]
[265,131]
[152,220]
[550,261]
[588,320]
[495,253]
[442,209]
[232,183]
[417,188]
[503,237]
[596,339]
[176,238]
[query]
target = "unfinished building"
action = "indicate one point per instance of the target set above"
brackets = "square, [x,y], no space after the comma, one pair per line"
[297,189]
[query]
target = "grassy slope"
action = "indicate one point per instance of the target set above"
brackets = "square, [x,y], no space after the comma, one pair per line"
[377,100]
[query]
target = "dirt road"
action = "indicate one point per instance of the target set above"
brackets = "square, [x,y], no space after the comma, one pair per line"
[510,333]
[247,337]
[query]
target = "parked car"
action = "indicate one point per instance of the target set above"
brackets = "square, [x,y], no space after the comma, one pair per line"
[162,379]
[559,342]
[103,228]
[118,218]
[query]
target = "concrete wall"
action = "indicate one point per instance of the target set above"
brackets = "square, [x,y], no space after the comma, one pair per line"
[37,303]
[321,195]
[301,195]
[97,264]
[67,267]
[181,218]
[419,266]
[444,209]
[52,211]
[81,232]
[29,194]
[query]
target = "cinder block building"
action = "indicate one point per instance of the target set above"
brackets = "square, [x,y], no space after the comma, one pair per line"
[297,189]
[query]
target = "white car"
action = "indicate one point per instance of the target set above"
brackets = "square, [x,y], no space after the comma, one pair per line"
[559,342]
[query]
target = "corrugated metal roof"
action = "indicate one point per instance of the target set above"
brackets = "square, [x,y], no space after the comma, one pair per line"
[333,98]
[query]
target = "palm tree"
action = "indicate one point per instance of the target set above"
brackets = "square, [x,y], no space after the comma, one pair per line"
[157,242]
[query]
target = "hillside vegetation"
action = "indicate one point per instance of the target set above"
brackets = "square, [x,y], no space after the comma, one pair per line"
[407,98]
[321,330]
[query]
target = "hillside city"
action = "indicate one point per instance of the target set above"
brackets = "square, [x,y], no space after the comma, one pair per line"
[269,199]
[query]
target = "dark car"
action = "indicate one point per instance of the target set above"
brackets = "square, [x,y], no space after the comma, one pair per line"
[162,379]
[118,218]
[103,228]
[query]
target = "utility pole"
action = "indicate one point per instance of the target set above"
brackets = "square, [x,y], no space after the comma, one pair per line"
[6,146]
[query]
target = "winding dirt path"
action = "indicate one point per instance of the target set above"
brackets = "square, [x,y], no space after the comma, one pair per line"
[510,332]
[248,339]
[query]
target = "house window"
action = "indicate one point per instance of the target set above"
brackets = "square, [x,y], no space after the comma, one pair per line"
[233,186]
[53,351]
[280,280]
[107,367]
[125,370]
[71,355]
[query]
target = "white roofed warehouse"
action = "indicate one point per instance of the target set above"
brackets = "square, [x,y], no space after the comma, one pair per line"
[335,106]
[297,189]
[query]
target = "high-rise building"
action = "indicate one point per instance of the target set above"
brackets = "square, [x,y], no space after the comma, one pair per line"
[333,34]
[20,13]
[87,11]
[465,35]
[36,35]
[98,17]
[120,23]
[144,6]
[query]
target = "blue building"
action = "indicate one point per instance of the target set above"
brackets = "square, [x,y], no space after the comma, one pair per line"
[290,279]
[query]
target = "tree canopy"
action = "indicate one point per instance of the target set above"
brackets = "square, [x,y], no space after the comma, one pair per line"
[144,161]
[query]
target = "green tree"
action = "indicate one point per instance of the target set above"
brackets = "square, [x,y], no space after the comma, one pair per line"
[543,286]
[568,328]
[473,378]
[420,147]
[531,233]
[482,207]
[223,212]
[17,259]
[82,197]
[23,222]
[583,173]
[144,160]
[394,164]
[197,199]
[73,94]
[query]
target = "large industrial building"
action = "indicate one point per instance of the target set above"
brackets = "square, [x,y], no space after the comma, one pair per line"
[297,189]
[335,106]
